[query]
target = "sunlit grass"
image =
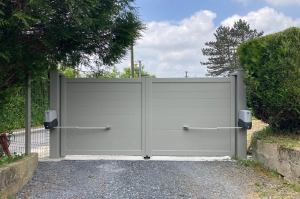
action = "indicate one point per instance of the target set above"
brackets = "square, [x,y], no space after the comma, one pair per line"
[284,138]
[6,160]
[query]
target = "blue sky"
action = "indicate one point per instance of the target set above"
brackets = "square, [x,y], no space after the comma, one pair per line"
[178,29]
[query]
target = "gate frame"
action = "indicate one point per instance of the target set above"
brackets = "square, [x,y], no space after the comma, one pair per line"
[58,103]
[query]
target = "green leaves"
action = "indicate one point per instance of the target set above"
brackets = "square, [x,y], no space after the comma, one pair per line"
[223,59]
[38,35]
[272,65]
[25,18]
[115,73]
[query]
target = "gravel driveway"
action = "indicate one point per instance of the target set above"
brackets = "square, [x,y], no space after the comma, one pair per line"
[141,179]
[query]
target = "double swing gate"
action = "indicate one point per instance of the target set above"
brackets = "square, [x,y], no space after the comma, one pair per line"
[146,117]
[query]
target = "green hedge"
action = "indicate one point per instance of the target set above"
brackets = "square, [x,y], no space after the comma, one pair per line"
[12,114]
[272,65]
[12,110]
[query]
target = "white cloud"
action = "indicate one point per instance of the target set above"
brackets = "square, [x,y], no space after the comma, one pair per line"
[245,2]
[266,19]
[283,2]
[167,49]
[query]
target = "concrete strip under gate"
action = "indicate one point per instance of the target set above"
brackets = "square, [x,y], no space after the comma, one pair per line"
[153,158]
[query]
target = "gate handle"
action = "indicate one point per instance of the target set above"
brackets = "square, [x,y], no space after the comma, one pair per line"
[77,127]
[217,128]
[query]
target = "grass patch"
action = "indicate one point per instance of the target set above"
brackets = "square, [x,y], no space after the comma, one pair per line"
[295,187]
[257,166]
[259,184]
[270,173]
[262,193]
[284,138]
[6,160]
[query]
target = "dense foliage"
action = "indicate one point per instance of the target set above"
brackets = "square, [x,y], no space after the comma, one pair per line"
[272,65]
[38,35]
[223,59]
[12,115]
[115,73]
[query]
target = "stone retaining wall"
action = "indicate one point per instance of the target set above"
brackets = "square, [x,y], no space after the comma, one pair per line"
[15,175]
[283,160]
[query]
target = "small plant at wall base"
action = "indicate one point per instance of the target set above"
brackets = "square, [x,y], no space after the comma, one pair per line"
[4,144]
[5,156]
[6,160]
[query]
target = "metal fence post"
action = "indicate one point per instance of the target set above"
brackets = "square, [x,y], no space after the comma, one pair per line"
[241,104]
[27,117]
[55,105]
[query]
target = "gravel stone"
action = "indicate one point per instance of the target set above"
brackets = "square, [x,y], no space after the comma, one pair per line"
[141,179]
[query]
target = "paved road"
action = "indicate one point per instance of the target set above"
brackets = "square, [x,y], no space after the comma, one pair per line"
[142,179]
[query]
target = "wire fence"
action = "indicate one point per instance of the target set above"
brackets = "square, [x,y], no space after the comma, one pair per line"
[40,102]
[13,118]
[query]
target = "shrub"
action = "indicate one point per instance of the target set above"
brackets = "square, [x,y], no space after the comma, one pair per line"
[12,110]
[272,65]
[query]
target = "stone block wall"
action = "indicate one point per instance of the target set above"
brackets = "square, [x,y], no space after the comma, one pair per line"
[278,158]
[15,175]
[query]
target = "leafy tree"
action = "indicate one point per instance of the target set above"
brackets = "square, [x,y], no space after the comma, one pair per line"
[127,72]
[36,36]
[104,73]
[115,73]
[70,72]
[223,59]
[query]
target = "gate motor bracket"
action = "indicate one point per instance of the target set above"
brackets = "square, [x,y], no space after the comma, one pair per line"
[50,119]
[245,119]
[244,122]
[51,122]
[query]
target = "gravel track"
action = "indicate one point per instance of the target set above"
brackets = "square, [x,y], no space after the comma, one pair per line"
[141,179]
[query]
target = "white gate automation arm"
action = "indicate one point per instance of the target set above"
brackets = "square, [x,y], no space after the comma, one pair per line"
[78,127]
[50,122]
[216,128]
[245,121]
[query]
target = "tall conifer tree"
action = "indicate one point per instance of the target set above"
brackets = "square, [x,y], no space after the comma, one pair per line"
[222,54]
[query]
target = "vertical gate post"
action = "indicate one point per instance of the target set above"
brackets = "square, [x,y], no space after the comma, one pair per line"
[55,105]
[63,114]
[233,117]
[27,117]
[241,104]
[146,116]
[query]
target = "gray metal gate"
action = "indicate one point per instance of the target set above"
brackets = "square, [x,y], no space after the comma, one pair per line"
[146,116]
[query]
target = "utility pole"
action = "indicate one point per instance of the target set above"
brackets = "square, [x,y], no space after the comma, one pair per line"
[132,61]
[140,68]
[186,74]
